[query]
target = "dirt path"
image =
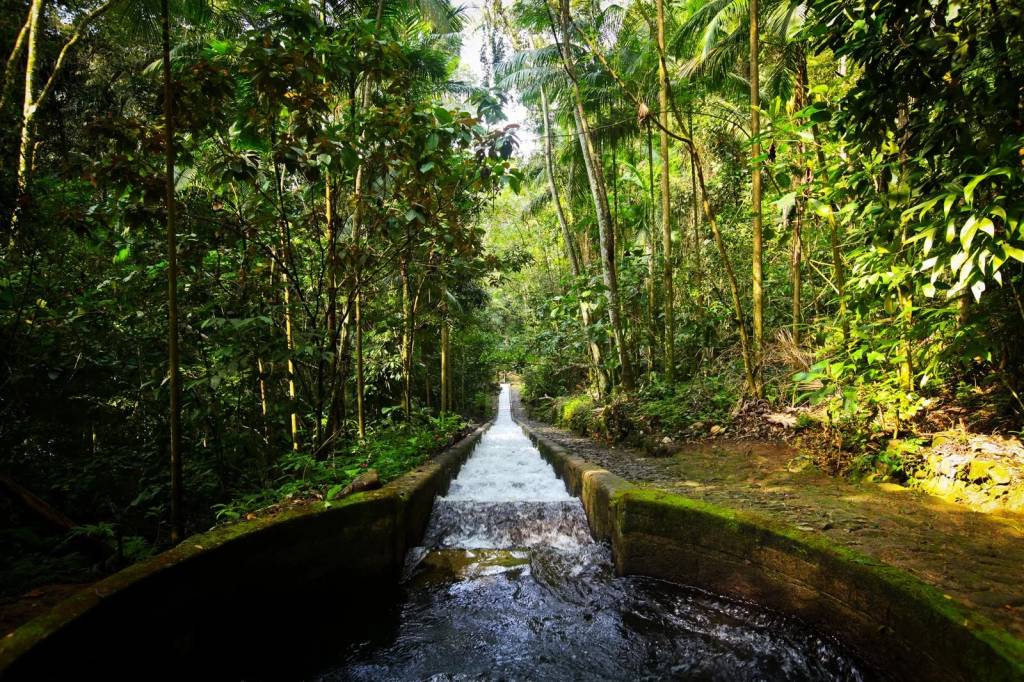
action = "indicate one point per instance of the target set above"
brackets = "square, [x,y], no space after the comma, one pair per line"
[974,558]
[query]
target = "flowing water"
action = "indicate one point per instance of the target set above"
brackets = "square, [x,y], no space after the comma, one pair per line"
[509,584]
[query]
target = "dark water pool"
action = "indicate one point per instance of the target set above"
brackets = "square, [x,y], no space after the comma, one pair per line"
[543,614]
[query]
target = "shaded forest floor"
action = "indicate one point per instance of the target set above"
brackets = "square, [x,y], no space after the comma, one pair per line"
[972,557]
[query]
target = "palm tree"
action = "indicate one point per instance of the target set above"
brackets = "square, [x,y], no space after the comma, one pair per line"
[598,188]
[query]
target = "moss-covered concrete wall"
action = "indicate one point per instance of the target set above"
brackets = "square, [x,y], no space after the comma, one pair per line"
[898,625]
[227,602]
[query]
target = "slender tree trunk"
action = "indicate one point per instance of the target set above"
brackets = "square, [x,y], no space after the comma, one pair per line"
[755,198]
[799,207]
[570,249]
[600,196]
[286,285]
[652,258]
[356,229]
[289,339]
[734,289]
[794,265]
[709,214]
[332,307]
[12,60]
[173,358]
[29,104]
[445,369]
[262,381]
[698,266]
[668,293]
[360,380]
[407,340]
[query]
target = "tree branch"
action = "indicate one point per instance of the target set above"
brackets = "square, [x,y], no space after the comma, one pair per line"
[89,18]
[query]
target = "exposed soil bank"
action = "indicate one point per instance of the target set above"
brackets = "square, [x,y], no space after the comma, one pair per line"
[228,601]
[895,621]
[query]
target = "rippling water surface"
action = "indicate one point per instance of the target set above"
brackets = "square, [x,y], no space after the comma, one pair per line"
[510,585]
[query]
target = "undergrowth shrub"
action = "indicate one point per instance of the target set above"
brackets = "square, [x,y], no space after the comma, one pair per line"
[577,413]
[391,447]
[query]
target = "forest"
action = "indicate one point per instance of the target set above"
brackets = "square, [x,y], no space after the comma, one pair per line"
[252,251]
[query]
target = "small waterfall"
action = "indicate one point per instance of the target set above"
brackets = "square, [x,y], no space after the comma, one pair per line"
[507,497]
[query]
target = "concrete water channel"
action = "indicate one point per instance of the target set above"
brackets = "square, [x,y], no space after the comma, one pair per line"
[510,584]
[507,557]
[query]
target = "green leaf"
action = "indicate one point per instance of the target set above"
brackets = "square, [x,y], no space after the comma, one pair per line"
[947,205]
[821,209]
[957,261]
[427,167]
[968,231]
[443,116]
[977,288]
[1014,252]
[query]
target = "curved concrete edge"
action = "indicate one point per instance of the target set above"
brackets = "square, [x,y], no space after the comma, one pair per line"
[895,622]
[216,581]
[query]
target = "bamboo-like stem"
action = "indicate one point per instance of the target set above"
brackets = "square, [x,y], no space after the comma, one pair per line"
[173,354]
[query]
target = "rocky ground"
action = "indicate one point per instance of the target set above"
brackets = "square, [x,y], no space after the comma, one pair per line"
[973,557]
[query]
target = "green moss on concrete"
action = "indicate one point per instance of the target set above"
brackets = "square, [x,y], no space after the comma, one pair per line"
[956,643]
[995,654]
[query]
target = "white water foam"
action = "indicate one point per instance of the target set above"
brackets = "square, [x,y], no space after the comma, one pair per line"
[505,467]
[506,496]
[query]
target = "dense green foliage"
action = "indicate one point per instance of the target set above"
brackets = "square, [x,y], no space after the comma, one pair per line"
[328,159]
[892,174]
[357,254]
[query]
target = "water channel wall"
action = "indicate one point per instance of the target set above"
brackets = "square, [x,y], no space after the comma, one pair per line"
[227,602]
[898,625]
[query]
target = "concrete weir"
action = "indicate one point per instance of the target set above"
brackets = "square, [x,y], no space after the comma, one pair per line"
[901,627]
[232,601]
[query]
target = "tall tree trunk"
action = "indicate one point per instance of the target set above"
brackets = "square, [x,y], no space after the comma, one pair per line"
[446,384]
[289,338]
[360,377]
[32,100]
[12,60]
[799,207]
[284,238]
[173,358]
[652,257]
[570,249]
[29,104]
[332,309]
[356,228]
[755,198]
[698,266]
[709,214]
[600,196]
[668,293]
[407,340]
